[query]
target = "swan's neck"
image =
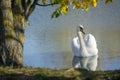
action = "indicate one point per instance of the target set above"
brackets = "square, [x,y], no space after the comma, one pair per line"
[82,44]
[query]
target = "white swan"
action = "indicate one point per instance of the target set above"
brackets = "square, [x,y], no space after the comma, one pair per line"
[89,63]
[84,46]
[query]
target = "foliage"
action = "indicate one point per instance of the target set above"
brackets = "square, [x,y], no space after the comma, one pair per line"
[63,5]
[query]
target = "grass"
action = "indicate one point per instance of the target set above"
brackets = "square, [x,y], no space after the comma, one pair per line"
[27,73]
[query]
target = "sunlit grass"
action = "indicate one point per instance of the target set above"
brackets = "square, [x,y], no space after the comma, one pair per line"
[28,73]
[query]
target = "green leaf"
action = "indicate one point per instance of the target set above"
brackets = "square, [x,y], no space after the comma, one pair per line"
[56,14]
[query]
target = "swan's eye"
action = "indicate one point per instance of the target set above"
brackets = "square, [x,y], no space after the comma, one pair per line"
[81,28]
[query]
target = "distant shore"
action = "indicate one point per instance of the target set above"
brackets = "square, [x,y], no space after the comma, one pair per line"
[27,73]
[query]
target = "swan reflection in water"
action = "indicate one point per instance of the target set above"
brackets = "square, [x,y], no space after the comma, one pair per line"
[89,63]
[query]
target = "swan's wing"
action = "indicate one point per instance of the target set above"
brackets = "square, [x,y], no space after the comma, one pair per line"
[91,45]
[75,46]
[90,40]
[75,43]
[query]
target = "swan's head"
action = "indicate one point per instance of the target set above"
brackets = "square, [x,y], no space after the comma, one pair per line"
[80,28]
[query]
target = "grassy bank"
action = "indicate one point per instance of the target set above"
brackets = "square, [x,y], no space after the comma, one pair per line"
[49,74]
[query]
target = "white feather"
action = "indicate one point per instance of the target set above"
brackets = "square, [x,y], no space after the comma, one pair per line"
[87,46]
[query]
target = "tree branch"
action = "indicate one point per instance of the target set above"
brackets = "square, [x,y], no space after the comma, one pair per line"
[46,4]
[30,8]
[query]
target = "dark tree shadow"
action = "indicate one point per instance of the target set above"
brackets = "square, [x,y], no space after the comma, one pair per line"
[32,77]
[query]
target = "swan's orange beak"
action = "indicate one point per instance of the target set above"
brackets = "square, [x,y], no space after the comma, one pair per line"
[82,30]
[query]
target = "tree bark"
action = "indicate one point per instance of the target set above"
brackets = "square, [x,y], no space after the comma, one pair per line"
[11,36]
[13,17]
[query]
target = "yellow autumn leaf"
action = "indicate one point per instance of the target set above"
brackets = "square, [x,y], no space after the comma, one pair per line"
[84,5]
[64,9]
[44,2]
[86,9]
[108,1]
[77,4]
[94,3]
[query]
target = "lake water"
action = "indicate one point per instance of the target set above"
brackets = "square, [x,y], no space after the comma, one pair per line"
[52,48]
[48,41]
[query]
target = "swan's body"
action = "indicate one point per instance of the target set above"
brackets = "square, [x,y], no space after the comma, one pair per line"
[89,63]
[84,47]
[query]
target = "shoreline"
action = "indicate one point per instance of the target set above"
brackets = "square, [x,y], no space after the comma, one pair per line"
[27,73]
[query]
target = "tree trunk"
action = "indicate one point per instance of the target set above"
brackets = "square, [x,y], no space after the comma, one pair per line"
[11,35]
[13,16]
